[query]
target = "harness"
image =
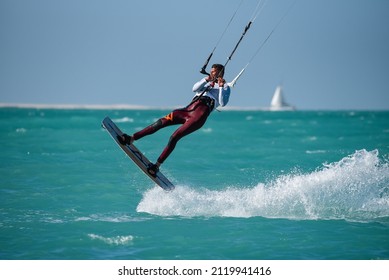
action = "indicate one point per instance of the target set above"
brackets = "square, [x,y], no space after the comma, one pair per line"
[210,102]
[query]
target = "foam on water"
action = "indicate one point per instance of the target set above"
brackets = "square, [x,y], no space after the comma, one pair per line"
[124,120]
[355,188]
[116,240]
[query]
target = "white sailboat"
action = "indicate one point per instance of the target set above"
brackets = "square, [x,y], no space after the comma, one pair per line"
[278,102]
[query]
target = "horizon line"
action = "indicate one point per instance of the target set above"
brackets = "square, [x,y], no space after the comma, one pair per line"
[107,107]
[149,107]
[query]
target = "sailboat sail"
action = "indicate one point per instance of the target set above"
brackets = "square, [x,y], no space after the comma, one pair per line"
[278,102]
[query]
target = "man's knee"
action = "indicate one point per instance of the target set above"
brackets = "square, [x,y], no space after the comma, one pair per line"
[173,140]
[157,125]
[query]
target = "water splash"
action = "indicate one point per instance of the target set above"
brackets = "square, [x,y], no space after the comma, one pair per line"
[354,188]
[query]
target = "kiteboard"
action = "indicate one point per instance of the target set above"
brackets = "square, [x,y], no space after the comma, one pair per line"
[137,156]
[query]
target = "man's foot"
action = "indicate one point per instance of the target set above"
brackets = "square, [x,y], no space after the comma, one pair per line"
[153,169]
[125,139]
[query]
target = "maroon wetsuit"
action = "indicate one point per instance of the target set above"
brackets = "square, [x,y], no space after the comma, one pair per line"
[191,117]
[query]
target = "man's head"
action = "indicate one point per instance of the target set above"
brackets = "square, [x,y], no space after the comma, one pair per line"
[217,71]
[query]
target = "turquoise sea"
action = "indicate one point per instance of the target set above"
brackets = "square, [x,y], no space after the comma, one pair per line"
[304,185]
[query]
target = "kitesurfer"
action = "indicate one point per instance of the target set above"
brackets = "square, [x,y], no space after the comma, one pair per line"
[211,92]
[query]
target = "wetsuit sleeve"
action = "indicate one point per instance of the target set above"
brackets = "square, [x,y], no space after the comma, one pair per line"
[200,85]
[224,95]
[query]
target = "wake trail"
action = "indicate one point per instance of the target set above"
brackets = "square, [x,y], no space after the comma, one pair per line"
[355,188]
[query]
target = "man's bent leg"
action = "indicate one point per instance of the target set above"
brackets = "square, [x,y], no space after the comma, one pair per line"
[187,128]
[161,123]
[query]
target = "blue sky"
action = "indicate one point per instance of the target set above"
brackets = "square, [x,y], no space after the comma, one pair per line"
[327,54]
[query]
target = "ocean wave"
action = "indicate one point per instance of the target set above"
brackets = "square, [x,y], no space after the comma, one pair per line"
[21,130]
[355,188]
[116,240]
[111,218]
[315,151]
[124,120]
